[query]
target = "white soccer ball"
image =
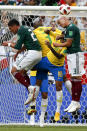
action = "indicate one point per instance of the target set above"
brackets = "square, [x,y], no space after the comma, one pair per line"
[64,9]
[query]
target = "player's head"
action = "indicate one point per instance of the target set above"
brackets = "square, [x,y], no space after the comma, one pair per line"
[36,24]
[13,26]
[63,21]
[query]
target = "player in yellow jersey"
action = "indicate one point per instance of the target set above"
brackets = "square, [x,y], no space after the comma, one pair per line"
[44,100]
[42,36]
[54,63]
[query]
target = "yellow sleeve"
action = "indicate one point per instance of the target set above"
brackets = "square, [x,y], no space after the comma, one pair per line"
[41,29]
[63,51]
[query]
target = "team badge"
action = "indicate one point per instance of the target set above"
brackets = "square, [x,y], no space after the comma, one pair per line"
[70,33]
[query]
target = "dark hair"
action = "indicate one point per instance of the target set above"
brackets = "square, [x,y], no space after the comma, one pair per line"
[13,22]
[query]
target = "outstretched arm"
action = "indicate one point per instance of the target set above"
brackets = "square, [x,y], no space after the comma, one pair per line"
[59,56]
[9,44]
[68,43]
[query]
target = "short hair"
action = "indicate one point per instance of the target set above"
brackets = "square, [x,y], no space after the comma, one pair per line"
[13,22]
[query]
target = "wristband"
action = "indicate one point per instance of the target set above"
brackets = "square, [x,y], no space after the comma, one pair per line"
[9,44]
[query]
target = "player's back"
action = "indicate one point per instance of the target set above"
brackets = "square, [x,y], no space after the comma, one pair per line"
[42,37]
[27,37]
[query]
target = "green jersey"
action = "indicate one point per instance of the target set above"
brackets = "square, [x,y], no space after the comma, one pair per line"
[27,38]
[48,2]
[73,32]
[8,3]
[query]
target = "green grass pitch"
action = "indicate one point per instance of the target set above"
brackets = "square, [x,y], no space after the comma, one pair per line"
[37,128]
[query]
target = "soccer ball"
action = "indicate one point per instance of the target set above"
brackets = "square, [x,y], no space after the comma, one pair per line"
[64,9]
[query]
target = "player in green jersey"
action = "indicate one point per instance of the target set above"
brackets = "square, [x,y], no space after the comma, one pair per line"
[75,59]
[26,40]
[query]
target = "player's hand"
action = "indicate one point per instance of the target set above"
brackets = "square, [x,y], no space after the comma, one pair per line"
[48,43]
[5,43]
[58,37]
[56,45]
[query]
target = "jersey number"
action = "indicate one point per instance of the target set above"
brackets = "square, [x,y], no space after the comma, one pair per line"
[32,35]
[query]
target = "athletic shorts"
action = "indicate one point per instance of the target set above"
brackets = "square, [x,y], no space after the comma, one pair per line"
[76,64]
[44,66]
[28,60]
[44,85]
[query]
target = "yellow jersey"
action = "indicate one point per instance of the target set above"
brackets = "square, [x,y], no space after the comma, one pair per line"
[53,59]
[61,50]
[42,37]
[55,33]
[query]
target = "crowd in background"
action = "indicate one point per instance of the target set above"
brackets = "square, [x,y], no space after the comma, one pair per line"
[44,2]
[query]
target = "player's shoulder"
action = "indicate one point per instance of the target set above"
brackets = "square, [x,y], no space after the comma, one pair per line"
[22,29]
[72,26]
[42,28]
[58,31]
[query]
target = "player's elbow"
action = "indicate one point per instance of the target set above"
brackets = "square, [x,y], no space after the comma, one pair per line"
[60,56]
[69,42]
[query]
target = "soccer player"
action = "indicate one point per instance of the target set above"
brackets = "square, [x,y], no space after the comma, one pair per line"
[41,36]
[26,40]
[44,101]
[75,59]
[54,63]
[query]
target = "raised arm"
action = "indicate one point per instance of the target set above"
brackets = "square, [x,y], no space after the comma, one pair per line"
[9,44]
[68,43]
[59,56]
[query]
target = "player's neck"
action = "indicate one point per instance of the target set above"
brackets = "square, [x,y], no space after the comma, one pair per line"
[67,24]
